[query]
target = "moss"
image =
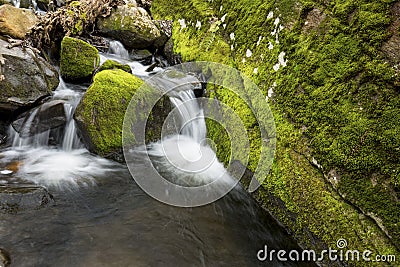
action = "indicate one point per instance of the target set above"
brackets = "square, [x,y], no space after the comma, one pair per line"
[78,59]
[103,107]
[336,100]
[111,64]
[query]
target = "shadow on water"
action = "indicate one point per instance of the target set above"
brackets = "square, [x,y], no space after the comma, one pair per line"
[114,223]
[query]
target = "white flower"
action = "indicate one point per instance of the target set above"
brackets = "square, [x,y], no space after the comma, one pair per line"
[270,46]
[182,23]
[270,15]
[223,18]
[232,47]
[270,92]
[249,53]
[281,59]
[255,71]
[198,25]
[243,60]
[220,8]
[276,66]
[232,36]
[259,40]
[224,25]
[277,20]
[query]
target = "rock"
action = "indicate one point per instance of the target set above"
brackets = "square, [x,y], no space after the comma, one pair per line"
[5,2]
[43,4]
[16,198]
[100,114]
[111,64]
[78,60]
[165,27]
[48,116]
[169,54]
[145,56]
[130,25]
[25,3]
[16,22]
[5,259]
[25,79]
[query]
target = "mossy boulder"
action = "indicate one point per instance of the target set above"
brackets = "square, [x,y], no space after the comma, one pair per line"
[100,114]
[25,79]
[130,25]
[335,98]
[16,22]
[111,64]
[78,60]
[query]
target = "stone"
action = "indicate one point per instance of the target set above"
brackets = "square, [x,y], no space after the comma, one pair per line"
[78,60]
[131,25]
[145,56]
[16,22]
[25,79]
[20,197]
[100,114]
[111,64]
[48,116]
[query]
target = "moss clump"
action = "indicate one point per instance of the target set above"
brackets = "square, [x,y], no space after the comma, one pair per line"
[101,112]
[111,64]
[78,59]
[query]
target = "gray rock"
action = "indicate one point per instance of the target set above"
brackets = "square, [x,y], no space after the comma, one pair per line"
[20,197]
[130,25]
[25,79]
[48,116]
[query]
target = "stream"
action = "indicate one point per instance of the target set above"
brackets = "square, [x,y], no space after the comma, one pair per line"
[96,215]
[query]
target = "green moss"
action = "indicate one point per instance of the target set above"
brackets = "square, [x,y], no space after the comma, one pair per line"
[111,64]
[336,101]
[103,108]
[78,59]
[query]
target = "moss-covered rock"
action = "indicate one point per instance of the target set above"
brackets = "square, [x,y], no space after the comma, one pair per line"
[100,114]
[131,25]
[78,60]
[111,64]
[335,97]
[16,22]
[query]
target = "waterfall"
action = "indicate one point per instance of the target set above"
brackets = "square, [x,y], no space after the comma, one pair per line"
[67,139]
[117,49]
[191,116]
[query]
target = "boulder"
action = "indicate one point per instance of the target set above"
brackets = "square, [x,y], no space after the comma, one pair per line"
[131,25]
[78,60]
[25,79]
[16,22]
[100,114]
[48,116]
[111,64]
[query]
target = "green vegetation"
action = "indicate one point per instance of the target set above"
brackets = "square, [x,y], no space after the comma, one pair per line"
[111,64]
[102,109]
[336,100]
[78,59]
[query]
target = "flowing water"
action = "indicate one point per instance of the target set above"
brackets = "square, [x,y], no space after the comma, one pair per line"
[98,216]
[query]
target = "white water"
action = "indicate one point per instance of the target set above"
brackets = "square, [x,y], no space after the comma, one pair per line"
[118,53]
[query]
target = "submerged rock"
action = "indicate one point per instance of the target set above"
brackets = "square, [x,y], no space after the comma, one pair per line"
[16,22]
[16,198]
[78,60]
[131,25]
[25,79]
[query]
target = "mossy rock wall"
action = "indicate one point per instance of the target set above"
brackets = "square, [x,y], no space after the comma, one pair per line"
[334,91]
